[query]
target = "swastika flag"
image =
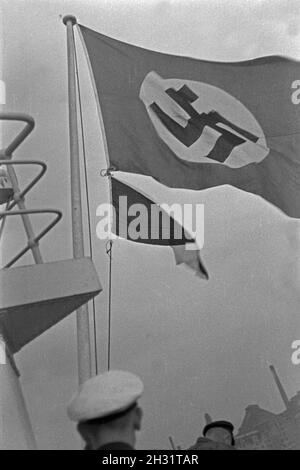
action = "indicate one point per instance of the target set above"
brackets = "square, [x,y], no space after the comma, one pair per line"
[196,124]
[153,225]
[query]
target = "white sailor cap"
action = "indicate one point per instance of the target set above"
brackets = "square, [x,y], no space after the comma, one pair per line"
[105,394]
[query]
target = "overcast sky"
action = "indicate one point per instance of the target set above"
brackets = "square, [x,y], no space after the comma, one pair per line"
[199,347]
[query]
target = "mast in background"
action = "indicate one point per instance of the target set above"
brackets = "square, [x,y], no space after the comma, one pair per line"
[280,386]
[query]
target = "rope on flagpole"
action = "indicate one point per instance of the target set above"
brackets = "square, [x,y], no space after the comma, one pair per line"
[104,172]
[109,246]
[87,202]
[107,173]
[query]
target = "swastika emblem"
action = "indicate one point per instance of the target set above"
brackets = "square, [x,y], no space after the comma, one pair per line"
[202,123]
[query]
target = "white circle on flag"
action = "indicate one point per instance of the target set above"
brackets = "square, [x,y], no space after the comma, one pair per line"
[232,121]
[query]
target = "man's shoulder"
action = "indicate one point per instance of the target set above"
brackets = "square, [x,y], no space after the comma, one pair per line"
[203,443]
[116,446]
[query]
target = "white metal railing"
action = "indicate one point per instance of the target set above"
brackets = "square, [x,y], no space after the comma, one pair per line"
[18,198]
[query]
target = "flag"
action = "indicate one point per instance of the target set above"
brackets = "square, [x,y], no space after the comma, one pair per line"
[139,219]
[197,124]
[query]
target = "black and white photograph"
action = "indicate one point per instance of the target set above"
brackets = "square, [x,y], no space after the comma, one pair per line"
[149,227]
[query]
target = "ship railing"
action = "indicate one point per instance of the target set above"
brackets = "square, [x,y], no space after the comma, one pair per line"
[18,197]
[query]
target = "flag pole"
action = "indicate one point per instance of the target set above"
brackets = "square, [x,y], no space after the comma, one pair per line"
[82,314]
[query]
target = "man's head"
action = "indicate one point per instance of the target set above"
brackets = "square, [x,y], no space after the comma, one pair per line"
[220,431]
[106,409]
